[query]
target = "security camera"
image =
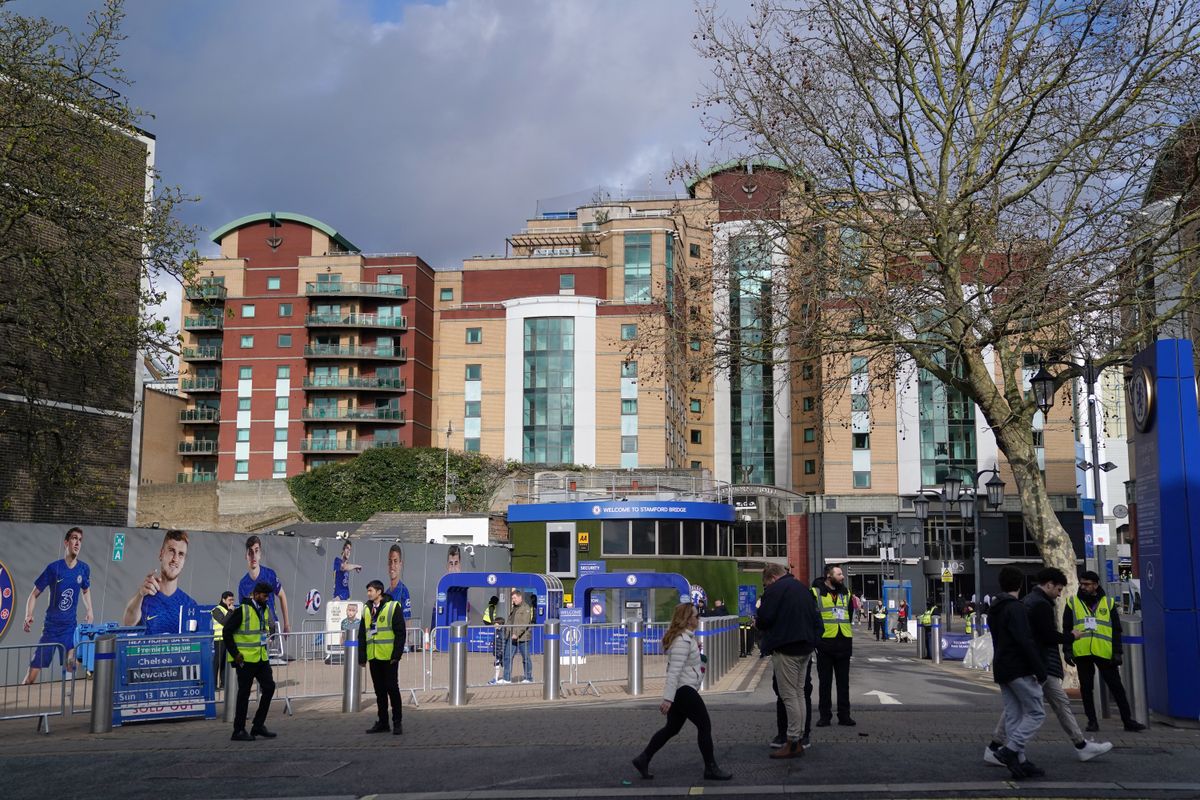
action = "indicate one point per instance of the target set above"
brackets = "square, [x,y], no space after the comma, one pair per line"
[315,542]
[342,535]
[470,550]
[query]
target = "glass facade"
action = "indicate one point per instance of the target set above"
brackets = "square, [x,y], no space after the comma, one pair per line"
[548,424]
[752,418]
[671,537]
[637,268]
[947,419]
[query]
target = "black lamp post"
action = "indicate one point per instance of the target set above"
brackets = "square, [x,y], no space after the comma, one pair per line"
[969,509]
[949,493]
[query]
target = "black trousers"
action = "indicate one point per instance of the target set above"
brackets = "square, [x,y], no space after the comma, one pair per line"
[687,705]
[1111,675]
[385,677]
[834,663]
[248,673]
[877,626]
[781,709]
[219,663]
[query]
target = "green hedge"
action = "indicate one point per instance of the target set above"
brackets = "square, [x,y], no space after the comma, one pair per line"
[396,479]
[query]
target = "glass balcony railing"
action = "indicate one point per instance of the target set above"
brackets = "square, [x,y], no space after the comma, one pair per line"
[203,384]
[205,447]
[206,353]
[205,291]
[368,383]
[354,351]
[343,445]
[354,414]
[195,477]
[204,322]
[201,415]
[356,289]
[356,321]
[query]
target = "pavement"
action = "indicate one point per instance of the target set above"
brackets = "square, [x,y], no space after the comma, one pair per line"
[921,733]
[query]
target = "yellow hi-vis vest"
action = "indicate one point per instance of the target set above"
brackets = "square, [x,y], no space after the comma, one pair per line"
[251,636]
[489,615]
[218,628]
[381,640]
[835,613]
[1097,639]
[927,618]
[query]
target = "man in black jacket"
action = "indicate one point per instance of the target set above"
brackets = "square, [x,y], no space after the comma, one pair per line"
[1018,667]
[381,644]
[791,626]
[835,647]
[1040,605]
[1092,642]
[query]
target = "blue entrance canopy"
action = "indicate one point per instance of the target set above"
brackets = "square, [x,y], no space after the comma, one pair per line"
[628,580]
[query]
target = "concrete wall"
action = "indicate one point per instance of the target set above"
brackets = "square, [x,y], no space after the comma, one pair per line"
[161,434]
[216,562]
[227,505]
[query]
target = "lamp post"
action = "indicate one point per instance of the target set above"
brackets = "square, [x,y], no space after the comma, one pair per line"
[891,547]
[949,493]
[969,507]
[446,495]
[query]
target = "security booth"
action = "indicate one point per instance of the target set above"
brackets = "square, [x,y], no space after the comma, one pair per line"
[451,603]
[893,592]
[635,589]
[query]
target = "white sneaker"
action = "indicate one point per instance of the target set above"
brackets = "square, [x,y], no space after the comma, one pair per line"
[502,681]
[1092,749]
[527,681]
[989,757]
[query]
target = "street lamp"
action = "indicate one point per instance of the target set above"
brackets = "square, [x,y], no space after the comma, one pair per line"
[949,493]
[446,506]
[891,549]
[969,508]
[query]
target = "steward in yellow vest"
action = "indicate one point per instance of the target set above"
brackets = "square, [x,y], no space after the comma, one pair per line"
[245,632]
[835,646]
[220,613]
[1092,642]
[381,646]
[927,617]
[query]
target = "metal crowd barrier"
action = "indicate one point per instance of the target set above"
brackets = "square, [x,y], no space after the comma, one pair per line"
[41,700]
[719,641]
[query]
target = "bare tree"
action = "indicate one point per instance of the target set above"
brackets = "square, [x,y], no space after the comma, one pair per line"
[966,185]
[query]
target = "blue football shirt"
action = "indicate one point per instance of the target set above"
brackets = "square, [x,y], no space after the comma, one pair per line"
[66,584]
[167,614]
[399,593]
[341,581]
[265,575]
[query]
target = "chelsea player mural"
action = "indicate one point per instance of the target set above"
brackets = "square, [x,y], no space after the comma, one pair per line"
[159,603]
[69,581]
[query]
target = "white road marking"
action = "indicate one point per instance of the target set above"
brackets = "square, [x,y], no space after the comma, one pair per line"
[885,699]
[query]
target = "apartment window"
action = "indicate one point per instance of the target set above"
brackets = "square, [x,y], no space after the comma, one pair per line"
[281,403]
[243,434]
[629,444]
[628,332]
[474,335]
[285,309]
[629,369]
[694,250]
[1039,438]
[858,402]
[474,372]
[471,445]
[247,342]
[806,372]
[446,294]
[694,345]
[694,435]
[285,340]
[566,282]
[248,311]
[283,372]
[629,406]
[243,404]
[245,373]
[695,406]
[471,409]
[281,434]
[809,403]
[862,441]
[281,465]
[862,480]
[810,434]
[696,465]
[1020,541]
[810,467]
[637,268]
[241,467]
[273,284]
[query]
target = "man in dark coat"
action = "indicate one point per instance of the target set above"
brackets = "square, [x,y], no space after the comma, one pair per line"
[791,626]
[1018,667]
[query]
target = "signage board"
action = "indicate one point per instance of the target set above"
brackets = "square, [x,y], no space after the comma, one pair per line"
[590,568]
[1100,533]
[571,640]
[747,598]
[584,541]
[163,677]
[118,547]
[621,509]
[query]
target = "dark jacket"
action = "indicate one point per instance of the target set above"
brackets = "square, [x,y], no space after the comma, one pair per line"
[397,630]
[834,644]
[1016,655]
[788,618]
[1045,631]
[1069,623]
[231,624]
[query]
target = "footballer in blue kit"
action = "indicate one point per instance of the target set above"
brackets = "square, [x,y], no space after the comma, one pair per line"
[341,573]
[159,604]
[396,588]
[257,573]
[69,582]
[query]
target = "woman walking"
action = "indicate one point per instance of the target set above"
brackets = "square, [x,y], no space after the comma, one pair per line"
[681,696]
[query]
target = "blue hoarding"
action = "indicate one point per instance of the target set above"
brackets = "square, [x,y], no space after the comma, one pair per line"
[585,568]
[163,677]
[621,509]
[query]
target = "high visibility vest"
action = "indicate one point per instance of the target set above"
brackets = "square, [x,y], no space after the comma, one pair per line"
[381,639]
[968,630]
[489,615]
[835,613]
[218,628]
[927,618]
[251,636]
[880,614]
[1096,641]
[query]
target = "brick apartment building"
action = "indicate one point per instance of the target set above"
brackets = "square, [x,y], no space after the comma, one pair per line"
[299,350]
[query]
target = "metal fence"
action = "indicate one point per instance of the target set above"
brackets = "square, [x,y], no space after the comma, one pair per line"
[47,696]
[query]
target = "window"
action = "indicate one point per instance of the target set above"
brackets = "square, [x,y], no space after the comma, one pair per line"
[471,409]
[858,402]
[273,284]
[857,527]
[471,445]
[694,250]
[474,372]
[243,404]
[810,434]
[474,335]
[248,311]
[281,403]
[637,268]
[566,282]
[615,535]
[629,444]
[245,373]
[241,467]
[628,332]
[281,434]
[862,441]
[283,372]
[280,465]
[560,549]
[858,365]
[243,434]
[1039,438]
[810,403]
[696,465]
[695,406]
[810,467]
[643,537]
[629,406]
[1020,541]
[806,372]
[247,342]
[862,480]
[629,369]
[445,294]
[285,309]
[694,345]
[285,340]
[548,390]
[694,435]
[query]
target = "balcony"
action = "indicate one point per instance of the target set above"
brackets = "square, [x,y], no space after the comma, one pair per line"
[195,477]
[198,447]
[204,322]
[200,415]
[355,289]
[206,291]
[356,383]
[354,415]
[205,384]
[208,353]
[353,351]
[355,321]
[342,445]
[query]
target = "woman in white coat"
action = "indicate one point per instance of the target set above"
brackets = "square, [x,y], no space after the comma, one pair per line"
[681,695]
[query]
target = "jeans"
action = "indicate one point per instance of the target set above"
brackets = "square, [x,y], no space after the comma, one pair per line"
[248,673]
[687,705]
[1111,675]
[1023,711]
[511,649]
[789,675]
[1056,697]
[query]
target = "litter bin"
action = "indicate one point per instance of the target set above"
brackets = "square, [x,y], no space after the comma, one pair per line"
[1133,667]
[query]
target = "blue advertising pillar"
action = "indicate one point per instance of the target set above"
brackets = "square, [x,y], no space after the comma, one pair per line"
[1162,399]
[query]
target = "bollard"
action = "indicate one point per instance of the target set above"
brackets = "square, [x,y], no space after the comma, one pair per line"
[1133,668]
[457,695]
[351,672]
[705,649]
[551,647]
[636,634]
[231,687]
[935,640]
[922,643]
[102,683]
